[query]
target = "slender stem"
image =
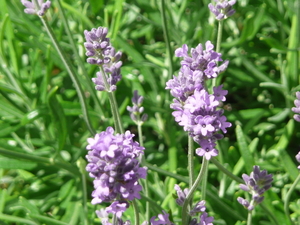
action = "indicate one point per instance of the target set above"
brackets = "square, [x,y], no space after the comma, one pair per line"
[189,196]
[72,75]
[136,212]
[113,104]
[204,183]
[227,172]
[90,87]
[84,197]
[167,39]
[249,219]
[140,132]
[218,45]
[287,197]
[191,161]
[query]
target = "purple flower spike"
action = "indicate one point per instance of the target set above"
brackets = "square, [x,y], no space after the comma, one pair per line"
[195,108]
[136,110]
[181,194]
[100,52]
[223,8]
[297,108]
[256,184]
[32,8]
[113,163]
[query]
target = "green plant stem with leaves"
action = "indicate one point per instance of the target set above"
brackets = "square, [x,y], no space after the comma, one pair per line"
[86,79]
[288,196]
[72,74]
[185,207]
[113,104]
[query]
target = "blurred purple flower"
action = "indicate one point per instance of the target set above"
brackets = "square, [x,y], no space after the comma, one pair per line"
[32,8]
[256,184]
[136,110]
[297,108]
[163,219]
[100,52]
[223,8]
[298,159]
[112,161]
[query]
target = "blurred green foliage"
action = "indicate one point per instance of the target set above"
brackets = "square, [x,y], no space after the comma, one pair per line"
[43,134]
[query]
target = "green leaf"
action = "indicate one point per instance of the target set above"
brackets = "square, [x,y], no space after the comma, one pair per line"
[28,206]
[58,117]
[7,163]
[244,150]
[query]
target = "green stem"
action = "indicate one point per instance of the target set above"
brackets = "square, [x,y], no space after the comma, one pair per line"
[287,197]
[84,196]
[87,80]
[147,194]
[204,183]
[72,74]
[191,161]
[167,40]
[227,172]
[249,219]
[113,104]
[184,214]
[48,161]
[218,45]
[136,213]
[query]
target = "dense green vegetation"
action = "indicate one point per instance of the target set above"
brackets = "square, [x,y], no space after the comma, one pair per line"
[43,133]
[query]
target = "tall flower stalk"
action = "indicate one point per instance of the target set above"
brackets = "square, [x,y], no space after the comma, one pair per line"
[100,52]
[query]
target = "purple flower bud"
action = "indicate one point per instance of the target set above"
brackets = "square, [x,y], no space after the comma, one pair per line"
[181,194]
[298,158]
[198,208]
[223,8]
[256,184]
[162,219]
[100,52]
[32,8]
[136,110]
[297,108]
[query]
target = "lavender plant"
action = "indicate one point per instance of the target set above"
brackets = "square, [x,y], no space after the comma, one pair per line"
[131,182]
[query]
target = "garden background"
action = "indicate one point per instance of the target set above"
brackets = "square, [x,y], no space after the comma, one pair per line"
[43,134]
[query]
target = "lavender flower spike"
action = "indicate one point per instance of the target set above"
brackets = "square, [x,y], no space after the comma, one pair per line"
[113,163]
[32,8]
[100,52]
[297,108]
[136,110]
[223,8]
[256,184]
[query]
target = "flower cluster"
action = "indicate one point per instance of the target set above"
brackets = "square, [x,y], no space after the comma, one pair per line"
[136,110]
[297,108]
[112,162]
[198,208]
[195,109]
[256,184]
[32,8]
[100,52]
[223,8]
